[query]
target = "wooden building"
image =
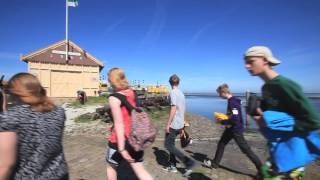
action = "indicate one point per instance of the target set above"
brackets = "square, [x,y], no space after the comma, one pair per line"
[61,77]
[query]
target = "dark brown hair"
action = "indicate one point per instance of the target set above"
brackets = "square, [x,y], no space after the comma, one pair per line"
[27,88]
[174,80]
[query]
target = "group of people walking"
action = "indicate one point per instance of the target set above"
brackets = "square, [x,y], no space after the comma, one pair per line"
[31,131]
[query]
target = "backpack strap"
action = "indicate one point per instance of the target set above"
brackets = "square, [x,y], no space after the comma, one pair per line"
[125,102]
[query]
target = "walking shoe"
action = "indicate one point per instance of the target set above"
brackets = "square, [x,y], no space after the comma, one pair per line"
[170,169]
[190,141]
[190,164]
[209,164]
[187,173]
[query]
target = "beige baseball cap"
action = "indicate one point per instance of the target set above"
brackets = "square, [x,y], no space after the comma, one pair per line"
[262,51]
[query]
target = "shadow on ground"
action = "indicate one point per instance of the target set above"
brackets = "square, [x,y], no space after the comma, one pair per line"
[198,176]
[201,157]
[197,156]
[161,156]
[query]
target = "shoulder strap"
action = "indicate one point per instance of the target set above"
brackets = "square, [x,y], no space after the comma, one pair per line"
[125,102]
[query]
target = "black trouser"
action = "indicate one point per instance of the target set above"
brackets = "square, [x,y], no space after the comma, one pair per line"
[170,146]
[242,143]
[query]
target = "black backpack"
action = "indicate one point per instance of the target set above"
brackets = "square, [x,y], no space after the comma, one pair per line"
[253,103]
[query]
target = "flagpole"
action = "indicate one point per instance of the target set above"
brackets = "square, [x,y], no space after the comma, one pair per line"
[67,40]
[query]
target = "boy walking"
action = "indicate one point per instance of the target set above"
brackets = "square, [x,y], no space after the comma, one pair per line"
[174,126]
[234,130]
[280,94]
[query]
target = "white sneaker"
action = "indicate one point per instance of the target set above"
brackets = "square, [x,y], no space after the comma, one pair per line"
[187,173]
[207,163]
[170,169]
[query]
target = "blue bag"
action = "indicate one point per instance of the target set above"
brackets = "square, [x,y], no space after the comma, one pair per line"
[289,149]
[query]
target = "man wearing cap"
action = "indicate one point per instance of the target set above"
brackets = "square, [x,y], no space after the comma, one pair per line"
[280,93]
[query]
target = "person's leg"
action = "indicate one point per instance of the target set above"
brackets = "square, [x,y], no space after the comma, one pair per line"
[140,171]
[170,146]
[82,100]
[172,160]
[113,158]
[169,142]
[224,140]
[245,148]
[111,172]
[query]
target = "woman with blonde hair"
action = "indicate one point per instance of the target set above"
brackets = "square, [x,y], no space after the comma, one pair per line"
[119,149]
[31,133]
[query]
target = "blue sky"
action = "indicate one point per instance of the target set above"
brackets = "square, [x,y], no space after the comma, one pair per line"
[202,41]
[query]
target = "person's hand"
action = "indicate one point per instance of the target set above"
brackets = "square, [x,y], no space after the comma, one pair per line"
[168,128]
[259,112]
[124,153]
[182,133]
[218,120]
[259,118]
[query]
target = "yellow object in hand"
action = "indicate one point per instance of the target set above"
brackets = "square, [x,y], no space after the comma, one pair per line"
[220,116]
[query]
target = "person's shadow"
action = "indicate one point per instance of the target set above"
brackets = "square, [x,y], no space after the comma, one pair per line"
[162,156]
[197,156]
[198,176]
[201,157]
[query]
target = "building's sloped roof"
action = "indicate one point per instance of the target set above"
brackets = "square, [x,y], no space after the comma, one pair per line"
[47,55]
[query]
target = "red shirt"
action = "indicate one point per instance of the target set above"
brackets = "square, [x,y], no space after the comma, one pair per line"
[125,116]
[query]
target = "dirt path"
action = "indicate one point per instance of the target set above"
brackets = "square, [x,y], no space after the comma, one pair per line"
[85,146]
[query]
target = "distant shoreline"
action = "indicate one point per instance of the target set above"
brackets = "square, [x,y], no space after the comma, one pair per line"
[309,95]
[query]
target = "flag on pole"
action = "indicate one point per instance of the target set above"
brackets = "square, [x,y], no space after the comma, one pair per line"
[73,3]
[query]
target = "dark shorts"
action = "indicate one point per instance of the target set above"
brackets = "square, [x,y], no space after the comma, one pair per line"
[114,157]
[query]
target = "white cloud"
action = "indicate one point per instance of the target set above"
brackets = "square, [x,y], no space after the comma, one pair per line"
[113,26]
[156,27]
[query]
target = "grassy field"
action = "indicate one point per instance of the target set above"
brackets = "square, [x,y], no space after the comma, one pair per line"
[157,115]
[100,100]
[85,118]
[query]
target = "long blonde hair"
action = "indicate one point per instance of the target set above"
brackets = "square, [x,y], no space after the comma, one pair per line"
[27,88]
[118,79]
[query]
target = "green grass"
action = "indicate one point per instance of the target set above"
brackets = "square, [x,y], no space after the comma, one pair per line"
[85,118]
[155,114]
[158,115]
[100,100]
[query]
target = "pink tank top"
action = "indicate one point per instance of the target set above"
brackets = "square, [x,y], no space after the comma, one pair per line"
[126,117]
